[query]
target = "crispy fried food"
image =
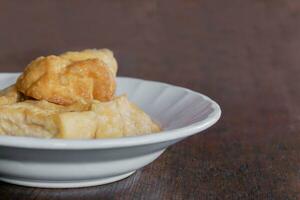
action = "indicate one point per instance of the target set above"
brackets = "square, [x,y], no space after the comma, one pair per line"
[77,125]
[9,95]
[29,118]
[71,96]
[105,55]
[120,117]
[63,82]
[116,118]
[45,120]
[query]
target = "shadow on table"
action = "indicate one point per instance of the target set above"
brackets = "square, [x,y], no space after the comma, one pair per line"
[109,191]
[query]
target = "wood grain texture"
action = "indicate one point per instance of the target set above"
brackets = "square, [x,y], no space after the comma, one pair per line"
[243,54]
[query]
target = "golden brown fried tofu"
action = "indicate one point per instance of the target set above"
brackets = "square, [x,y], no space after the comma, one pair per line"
[45,120]
[9,95]
[71,96]
[105,55]
[60,81]
[120,117]
[27,119]
[116,118]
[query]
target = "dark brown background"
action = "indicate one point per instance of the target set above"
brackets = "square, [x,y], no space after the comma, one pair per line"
[244,54]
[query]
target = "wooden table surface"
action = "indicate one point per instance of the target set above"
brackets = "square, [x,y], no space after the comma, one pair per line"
[244,54]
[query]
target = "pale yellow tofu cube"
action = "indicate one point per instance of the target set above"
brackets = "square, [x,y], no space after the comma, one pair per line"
[110,123]
[77,125]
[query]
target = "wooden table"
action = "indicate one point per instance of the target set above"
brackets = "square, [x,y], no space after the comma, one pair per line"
[244,54]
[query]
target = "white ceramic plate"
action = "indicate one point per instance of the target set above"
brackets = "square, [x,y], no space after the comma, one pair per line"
[57,163]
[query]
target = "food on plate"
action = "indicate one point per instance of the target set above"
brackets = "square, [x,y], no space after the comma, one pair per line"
[71,96]
[9,95]
[120,117]
[105,55]
[60,81]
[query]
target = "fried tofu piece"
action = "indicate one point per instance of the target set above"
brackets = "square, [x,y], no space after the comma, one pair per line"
[27,119]
[9,95]
[77,125]
[63,82]
[120,117]
[105,55]
[43,119]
